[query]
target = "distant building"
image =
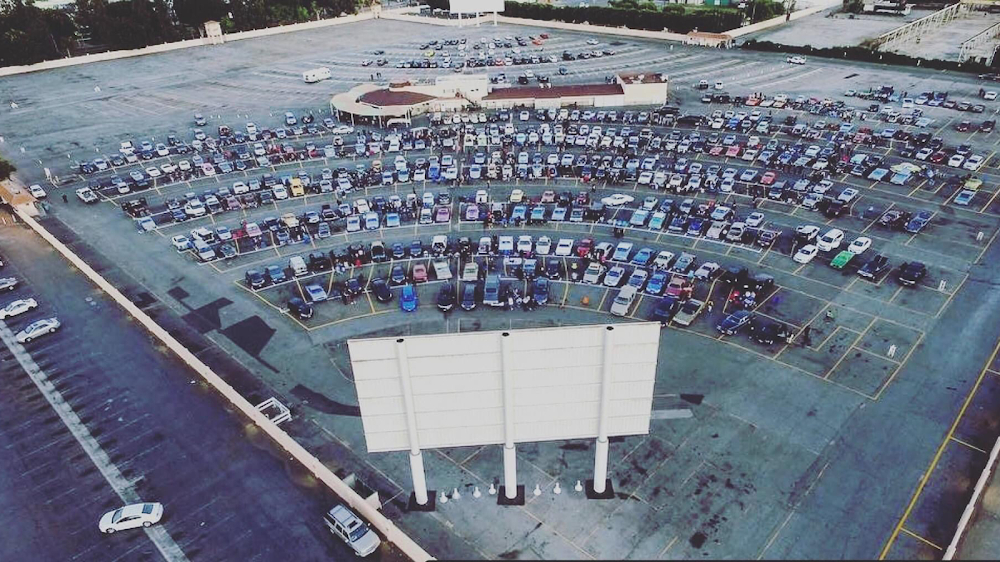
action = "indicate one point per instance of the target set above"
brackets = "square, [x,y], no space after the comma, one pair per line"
[401,101]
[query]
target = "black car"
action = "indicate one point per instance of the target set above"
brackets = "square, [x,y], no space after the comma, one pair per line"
[446,297]
[300,308]
[416,249]
[910,273]
[554,268]
[540,291]
[397,276]
[918,222]
[381,290]
[468,296]
[735,322]
[319,261]
[378,252]
[766,332]
[353,286]
[665,309]
[254,278]
[874,267]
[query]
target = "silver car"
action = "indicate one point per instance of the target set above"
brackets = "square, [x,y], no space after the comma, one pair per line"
[8,283]
[343,523]
[19,306]
[37,328]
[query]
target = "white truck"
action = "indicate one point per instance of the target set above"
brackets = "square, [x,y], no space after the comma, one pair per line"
[316,75]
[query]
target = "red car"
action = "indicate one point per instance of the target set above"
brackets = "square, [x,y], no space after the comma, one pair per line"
[768,178]
[583,198]
[443,214]
[716,150]
[937,157]
[679,287]
[419,273]
[584,247]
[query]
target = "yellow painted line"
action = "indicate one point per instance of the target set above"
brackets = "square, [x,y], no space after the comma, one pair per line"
[921,539]
[370,303]
[990,202]
[937,457]
[969,445]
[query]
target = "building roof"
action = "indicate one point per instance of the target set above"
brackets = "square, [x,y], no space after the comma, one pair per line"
[643,78]
[384,98]
[14,195]
[556,92]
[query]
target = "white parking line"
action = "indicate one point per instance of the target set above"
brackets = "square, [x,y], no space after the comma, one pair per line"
[123,487]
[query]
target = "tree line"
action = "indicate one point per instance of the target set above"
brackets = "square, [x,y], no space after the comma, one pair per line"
[29,34]
[642,14]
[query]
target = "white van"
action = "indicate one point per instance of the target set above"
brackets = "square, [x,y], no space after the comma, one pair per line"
[204,251]
[298,266]
[316,75]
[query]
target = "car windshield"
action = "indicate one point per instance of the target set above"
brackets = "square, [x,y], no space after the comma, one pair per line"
[116,516]
[358,532]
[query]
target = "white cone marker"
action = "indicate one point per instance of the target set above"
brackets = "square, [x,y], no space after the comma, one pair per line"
[578,487]
[493,490]
[538,491]
[455,495]
[476,493]
[557,489]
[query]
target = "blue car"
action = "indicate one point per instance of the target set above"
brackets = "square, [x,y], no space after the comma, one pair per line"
[408,298]
[643,256]
[657,282]
[519,212]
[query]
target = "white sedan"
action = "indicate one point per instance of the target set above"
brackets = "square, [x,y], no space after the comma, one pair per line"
[19,306]
[755,220]
[806,253]
[614,276]
[131,517]
[8,283]
[153,172]
[859,245]
[37,328]
[181,242]
[617,200]
[796,60]
[37,192]
[543,246]
[564,247]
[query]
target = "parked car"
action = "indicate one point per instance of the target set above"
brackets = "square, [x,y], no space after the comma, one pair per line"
[131,517]
[735,322]
[37,329]
[348,527]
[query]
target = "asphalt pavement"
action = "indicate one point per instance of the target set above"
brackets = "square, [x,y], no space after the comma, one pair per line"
[227,493]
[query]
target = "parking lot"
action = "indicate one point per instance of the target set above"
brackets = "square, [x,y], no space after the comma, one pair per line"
[223,488]
[779,434]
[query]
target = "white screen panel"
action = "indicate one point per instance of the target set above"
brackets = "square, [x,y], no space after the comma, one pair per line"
[474,6]
[457,385]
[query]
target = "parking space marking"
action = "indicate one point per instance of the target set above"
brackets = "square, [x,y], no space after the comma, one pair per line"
[847,351]
[969,445]
[937,455]
[921,539]
[124,488]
